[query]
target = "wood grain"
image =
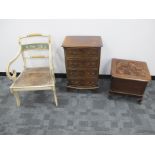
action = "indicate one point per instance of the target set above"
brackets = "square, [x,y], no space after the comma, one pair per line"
[82,60]
[129,77]
[82,41]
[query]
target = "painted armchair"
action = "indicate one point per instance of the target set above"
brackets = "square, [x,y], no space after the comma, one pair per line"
[33,78]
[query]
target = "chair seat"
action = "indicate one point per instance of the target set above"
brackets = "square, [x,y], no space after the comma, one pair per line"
[32,77]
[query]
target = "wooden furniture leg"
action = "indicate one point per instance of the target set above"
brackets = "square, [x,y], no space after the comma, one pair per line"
[139,100]
[55,96]
[16,94]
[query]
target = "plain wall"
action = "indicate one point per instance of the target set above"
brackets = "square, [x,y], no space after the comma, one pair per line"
[126,39]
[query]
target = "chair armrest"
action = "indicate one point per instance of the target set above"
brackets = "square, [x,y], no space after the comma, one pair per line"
[12,75]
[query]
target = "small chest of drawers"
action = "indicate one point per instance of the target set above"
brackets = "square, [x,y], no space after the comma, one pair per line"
[82,60]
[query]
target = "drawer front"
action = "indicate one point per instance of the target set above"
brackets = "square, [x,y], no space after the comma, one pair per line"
[82,52]
[82,73]
[82,64]
[83,83]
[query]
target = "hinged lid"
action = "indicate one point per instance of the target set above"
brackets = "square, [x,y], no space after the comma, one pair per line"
[130,69]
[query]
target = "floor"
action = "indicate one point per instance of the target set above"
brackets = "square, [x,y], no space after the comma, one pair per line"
[78,113]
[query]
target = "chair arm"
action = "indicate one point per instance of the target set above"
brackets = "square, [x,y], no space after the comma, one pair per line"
[12,75]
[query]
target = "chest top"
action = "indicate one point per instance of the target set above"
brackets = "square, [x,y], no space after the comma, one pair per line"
[82,41]
[129,69]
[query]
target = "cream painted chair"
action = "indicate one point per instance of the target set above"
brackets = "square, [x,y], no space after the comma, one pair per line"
[33,78]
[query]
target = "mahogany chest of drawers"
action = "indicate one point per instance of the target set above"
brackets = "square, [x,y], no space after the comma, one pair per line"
[129,77]
[82,60]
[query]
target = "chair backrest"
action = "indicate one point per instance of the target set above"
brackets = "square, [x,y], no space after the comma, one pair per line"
[36,49]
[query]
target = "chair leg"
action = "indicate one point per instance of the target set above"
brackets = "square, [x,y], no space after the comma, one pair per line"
[55,96]
[16,94]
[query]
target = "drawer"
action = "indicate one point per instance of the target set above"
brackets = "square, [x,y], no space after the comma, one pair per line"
[82,64]
[84,82]
[82,73]
[82,52]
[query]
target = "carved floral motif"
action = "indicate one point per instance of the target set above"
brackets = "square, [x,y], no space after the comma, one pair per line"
[130,68]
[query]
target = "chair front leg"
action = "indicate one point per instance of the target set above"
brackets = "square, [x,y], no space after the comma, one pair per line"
[55,96]
[16,94]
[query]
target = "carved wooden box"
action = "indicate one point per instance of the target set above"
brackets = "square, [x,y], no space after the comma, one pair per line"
[129,77]
[82,60]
